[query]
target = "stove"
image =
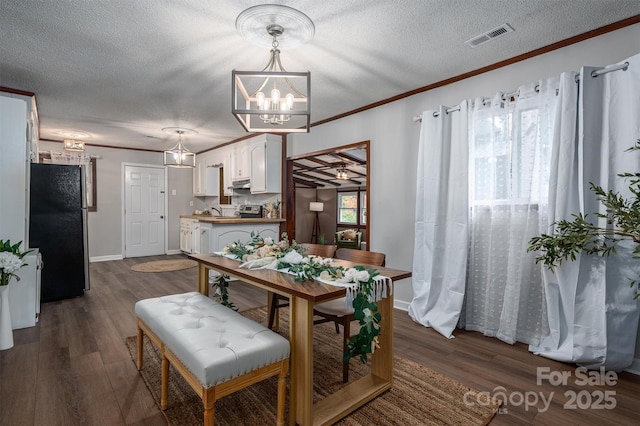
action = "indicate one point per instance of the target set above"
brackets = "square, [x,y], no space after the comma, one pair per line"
[250,211]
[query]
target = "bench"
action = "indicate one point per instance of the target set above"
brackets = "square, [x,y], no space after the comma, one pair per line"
[215,349]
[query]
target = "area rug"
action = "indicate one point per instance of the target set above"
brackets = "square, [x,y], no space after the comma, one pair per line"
[164,265]
[419,396]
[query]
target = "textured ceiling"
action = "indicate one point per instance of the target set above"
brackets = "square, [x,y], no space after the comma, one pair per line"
[123,70]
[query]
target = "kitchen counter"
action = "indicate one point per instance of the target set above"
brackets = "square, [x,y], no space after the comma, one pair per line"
[231,220]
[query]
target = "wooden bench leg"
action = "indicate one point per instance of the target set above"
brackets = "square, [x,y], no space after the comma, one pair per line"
[209,402]
[165,381]
[140,341]
[282,392]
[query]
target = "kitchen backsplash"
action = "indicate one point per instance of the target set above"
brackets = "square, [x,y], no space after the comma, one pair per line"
[204,203]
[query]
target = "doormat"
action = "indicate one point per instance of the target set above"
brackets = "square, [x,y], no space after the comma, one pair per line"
[164,265]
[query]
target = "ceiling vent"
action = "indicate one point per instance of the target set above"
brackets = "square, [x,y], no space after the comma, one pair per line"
[490,35]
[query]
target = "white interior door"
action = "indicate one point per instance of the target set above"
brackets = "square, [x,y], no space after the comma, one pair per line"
[144,211]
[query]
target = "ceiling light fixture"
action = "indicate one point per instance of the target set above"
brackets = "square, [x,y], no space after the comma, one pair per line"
[179,156]
[342,173]
[73,145]
[273,100]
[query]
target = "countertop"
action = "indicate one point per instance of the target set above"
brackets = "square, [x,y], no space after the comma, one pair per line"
[235,220]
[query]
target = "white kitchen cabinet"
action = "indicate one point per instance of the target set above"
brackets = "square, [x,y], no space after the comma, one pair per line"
[205,238]
[195,236]
[241,162]
[223,234]
[206,177]
[228,171]
[266,165]
[185,235]
[24,295]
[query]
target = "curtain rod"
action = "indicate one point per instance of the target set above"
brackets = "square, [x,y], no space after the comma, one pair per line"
[609,68]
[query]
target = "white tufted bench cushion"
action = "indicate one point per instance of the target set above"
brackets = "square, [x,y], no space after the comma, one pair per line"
[214,342]
[212,346]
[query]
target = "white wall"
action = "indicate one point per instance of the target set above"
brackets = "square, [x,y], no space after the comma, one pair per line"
[394,137]
[105,224]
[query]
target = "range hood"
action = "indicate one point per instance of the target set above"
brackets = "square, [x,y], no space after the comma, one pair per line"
[244,184]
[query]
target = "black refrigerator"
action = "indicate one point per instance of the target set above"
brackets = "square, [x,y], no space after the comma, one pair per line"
[58,227]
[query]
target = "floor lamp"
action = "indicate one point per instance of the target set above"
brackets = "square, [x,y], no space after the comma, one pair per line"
[315,207]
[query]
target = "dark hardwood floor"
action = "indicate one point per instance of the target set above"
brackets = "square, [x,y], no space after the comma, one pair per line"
[73,368]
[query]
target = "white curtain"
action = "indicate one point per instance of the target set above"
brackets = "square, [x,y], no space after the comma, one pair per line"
[564,200]
[510,149]
[593,317]
[440,249]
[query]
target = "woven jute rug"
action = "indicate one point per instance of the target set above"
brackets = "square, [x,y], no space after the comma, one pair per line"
[419,396]
[164,265]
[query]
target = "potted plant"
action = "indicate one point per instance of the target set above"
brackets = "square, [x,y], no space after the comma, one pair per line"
[580,235]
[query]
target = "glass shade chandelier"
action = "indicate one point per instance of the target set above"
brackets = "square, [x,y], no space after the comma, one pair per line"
[179,156]
[74,145]
[272,100]
[342,173]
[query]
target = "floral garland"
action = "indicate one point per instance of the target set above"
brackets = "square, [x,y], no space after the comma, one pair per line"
[10,261]
[289,257]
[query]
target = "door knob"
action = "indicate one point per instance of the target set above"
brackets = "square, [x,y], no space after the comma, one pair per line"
[161,217]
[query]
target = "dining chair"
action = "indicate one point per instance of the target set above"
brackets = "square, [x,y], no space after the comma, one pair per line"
[278,301]
[334,310]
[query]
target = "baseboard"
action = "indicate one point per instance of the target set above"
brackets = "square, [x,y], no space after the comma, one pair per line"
[401,305]
[174,251]
[634,368]
[105,258]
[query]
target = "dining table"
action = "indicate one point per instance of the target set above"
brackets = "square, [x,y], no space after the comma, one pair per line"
[303,295]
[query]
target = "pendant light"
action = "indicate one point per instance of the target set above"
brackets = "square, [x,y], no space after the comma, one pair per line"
[342,173]
[179,156]
[273,100]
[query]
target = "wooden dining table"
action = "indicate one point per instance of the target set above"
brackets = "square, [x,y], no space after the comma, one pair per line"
[303,295]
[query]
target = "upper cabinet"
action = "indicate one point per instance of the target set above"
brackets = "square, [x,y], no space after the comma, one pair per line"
[228,157]
[258,160]
[206,176]
[266,165]
[241,163]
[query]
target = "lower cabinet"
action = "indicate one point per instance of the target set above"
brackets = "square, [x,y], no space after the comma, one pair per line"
[205,237]
[222,235]
[187,238]
[24,296]
[195,237]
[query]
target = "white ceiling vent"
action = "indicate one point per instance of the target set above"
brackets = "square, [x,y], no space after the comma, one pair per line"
[490,35]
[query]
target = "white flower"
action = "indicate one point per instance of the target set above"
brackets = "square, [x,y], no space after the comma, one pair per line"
[268,241]
[350,274]
[362,276]
[325,275]
[293,257]
[9,262]
[367,312]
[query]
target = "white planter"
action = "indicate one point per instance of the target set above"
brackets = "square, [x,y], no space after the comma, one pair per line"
[6,331]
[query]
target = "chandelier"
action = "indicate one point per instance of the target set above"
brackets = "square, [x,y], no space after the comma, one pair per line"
[342,173]
[273,100]
[179,156]
[73,145]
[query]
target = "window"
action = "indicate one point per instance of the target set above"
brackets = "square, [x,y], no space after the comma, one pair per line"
[507,156]
[352,208]
[348,208]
